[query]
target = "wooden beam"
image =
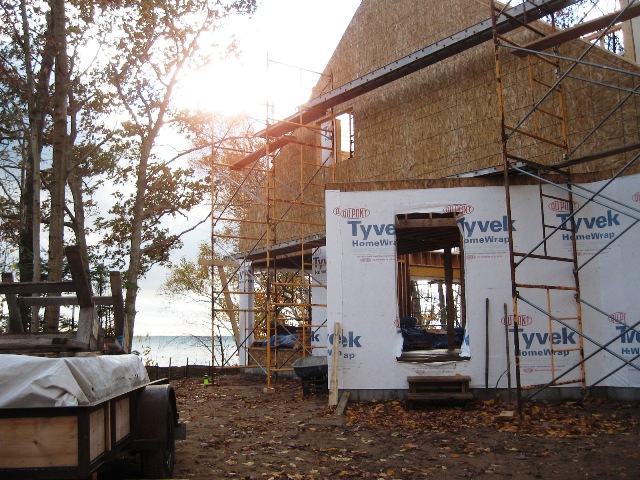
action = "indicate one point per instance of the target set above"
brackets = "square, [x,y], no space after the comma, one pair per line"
[28,288]
[335,359]
[342,404]
[258,154]
[61,301]
[430,271]
[15,319]
[88,327]
[79,276]
[88,324]
[450,306]
[425,223]
[59,341]
[207,262]
[579,30]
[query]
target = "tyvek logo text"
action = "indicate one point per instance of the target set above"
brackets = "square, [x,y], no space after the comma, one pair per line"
[372,234]
[350,340]
[535,341]
[486,227]
[594,225]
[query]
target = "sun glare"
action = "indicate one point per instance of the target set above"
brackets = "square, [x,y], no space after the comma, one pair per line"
[234,88]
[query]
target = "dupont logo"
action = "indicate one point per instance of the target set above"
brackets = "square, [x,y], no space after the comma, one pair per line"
[562,205]
[618,317]
[351,212]
[636,197]
[463,208]
[523,320]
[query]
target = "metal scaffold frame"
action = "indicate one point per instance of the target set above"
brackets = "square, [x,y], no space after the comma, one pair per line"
[278,269]
[266,207]
[564,190]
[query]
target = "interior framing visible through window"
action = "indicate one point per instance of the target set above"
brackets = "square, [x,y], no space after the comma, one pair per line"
[429,255]
[341,128]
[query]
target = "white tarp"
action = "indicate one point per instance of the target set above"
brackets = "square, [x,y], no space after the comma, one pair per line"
[361,271]
[30,382]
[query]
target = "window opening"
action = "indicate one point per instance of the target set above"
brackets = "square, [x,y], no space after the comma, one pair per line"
[340,128]
[430,286]
[344,136]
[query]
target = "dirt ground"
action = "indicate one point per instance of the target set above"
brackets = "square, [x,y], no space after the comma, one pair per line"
[236,430]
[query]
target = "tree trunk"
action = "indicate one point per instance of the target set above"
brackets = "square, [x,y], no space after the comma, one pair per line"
[57,183]
[75,186]
[37,98]
[135,254]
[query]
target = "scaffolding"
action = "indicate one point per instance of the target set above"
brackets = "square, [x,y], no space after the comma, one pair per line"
[276,227]
[544,125]
[264,235]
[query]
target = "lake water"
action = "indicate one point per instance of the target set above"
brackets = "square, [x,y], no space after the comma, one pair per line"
[183,350]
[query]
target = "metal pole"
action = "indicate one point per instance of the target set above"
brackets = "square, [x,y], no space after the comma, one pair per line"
[486,344]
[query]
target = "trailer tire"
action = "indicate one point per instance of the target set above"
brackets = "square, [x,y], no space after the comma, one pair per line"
[157,418]
[160,463]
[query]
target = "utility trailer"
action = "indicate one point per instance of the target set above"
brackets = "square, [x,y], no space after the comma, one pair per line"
[69,408]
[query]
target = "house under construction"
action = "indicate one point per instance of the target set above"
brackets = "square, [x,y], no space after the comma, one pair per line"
[457,201]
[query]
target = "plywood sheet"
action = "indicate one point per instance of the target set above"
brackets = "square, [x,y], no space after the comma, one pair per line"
[38,442]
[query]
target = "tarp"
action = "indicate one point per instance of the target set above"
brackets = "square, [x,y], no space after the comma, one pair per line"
[31,382]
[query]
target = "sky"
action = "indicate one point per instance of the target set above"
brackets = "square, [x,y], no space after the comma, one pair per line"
[279,47]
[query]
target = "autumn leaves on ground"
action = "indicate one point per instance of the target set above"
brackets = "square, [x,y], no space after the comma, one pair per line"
[235,430]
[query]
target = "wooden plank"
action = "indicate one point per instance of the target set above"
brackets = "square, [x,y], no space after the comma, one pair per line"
[425,223]
[207,262]
[15,320]
[39,442]
[431,271]
[342,404]
[97,433]
[258,154]
[53,341]
[426,396]
[450,302]
[79,276]
[123,418]
[61,301]
[439,379]
[335,358]
[28,288]
[506,416]
[88,327]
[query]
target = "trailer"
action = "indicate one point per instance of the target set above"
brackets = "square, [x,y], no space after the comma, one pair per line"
[71,403]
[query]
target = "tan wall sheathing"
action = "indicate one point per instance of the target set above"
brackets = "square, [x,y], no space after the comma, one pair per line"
[443,120]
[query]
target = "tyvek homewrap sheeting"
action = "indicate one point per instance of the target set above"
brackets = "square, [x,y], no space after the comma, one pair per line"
[30,382]
[319,301]
[361,271]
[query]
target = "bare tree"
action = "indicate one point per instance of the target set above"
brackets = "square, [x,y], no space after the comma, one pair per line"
[156,42]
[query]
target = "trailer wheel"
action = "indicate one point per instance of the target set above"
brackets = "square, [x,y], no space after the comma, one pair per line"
[156,421]
[159,463]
